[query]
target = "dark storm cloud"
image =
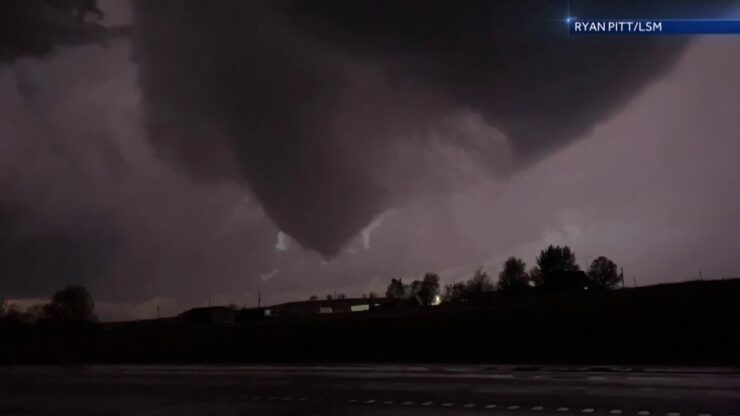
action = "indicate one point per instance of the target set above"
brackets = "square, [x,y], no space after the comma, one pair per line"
[332,114]
[38,27]
[77,250]
[36,247]
[231,92]
[84,200]
[49,232]
[307,101]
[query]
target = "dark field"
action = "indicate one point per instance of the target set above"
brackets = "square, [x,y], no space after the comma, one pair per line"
[695,323]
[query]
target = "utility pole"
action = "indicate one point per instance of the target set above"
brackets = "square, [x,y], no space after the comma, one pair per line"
[635,279]
[259,299]
[700,276]
[209,301]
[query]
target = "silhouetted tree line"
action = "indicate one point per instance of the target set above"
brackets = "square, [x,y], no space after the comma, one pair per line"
[73,303]
[423,291]
[474,287]
[556,272]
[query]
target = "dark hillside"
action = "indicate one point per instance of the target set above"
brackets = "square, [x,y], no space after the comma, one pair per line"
[693,323]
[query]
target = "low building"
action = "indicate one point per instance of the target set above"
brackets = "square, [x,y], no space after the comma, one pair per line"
[333,306]
[213,316]
[250,314]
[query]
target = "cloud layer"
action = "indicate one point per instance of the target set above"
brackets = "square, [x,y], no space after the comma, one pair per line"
[307,102]
[161,170]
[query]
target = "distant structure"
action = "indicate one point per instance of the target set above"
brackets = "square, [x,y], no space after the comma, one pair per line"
[328,306]
[212,315]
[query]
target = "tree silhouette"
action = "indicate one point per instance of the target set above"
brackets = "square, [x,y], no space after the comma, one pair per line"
[396,290]
[36,312]
[313,297]
[341,296]
[454,292]
[478,284]
[72,303]
[414,289]
[602,273]
[425,290]
[513,278]
[475,286]
[429,288]
[12,315]
[553,265]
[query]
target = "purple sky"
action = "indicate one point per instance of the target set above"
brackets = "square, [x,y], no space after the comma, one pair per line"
[654,186]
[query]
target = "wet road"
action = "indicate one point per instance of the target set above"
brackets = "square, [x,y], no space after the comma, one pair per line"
[368,390]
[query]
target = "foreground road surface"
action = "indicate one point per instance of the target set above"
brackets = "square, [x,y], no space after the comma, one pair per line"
[368,390]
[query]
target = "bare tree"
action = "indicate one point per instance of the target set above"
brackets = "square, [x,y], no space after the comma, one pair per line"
[73,302]
[427,289]
[479,283]
[513,278]
[454,292]
[603,274]
[397,290]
